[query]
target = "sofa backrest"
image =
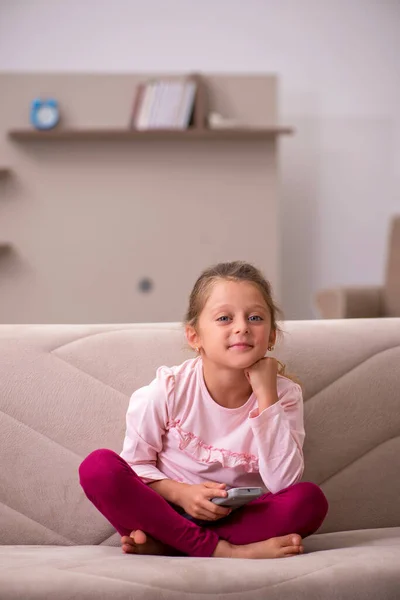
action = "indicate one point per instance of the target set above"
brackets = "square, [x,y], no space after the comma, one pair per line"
[64,391]
[391,289]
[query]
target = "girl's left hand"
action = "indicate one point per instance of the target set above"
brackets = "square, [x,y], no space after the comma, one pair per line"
[262,377]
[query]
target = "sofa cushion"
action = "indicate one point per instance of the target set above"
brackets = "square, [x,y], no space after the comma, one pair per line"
[352,565]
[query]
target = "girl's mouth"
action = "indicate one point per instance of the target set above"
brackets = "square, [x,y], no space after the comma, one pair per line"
[241,346]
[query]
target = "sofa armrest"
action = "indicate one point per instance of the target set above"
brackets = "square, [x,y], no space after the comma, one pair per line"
[350,302]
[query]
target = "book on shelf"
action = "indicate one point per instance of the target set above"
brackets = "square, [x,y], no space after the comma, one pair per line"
[164,104]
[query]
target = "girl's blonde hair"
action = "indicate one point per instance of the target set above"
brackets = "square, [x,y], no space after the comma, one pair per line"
[232,271]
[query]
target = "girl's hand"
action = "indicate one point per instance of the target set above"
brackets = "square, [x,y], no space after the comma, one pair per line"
[196,500]
[262,377]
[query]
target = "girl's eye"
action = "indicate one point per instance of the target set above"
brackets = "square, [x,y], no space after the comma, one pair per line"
[255,318]
[223,319]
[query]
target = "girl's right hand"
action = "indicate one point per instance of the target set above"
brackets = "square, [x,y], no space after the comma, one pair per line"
[196,500]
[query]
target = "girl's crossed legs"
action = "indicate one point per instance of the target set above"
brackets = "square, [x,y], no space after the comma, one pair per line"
[129,504]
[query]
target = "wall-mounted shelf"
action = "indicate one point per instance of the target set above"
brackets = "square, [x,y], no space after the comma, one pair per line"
[150,134]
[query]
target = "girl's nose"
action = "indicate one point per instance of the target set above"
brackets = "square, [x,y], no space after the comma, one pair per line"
[241,325]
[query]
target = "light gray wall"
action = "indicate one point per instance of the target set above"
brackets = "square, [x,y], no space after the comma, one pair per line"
[340,88]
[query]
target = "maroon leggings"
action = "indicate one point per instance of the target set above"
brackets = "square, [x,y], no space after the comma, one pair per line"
[129,504]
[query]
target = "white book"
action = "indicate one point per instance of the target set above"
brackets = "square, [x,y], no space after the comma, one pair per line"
[171,100]
[144,115]
[156,111]
[179,87]
[159,105]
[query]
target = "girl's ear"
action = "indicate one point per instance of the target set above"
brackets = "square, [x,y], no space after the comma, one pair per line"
[272,338]
[192,337]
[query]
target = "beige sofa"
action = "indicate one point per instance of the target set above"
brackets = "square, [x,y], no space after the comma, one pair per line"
[64,391]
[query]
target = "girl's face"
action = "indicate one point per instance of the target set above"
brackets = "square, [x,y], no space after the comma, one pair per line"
[234,328]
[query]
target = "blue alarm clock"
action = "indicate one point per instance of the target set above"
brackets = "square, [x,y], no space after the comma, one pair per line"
[44,113]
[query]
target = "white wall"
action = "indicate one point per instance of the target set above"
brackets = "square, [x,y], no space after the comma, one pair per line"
[338,61]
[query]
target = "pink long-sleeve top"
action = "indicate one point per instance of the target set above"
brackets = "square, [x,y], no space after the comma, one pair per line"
[175,430]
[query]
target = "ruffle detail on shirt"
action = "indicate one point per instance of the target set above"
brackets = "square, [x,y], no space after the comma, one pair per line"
[192,445]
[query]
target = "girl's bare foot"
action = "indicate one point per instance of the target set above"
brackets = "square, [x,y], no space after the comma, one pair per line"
[141,543]
[278,547]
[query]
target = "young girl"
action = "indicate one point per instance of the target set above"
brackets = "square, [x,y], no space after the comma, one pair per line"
[227,418]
